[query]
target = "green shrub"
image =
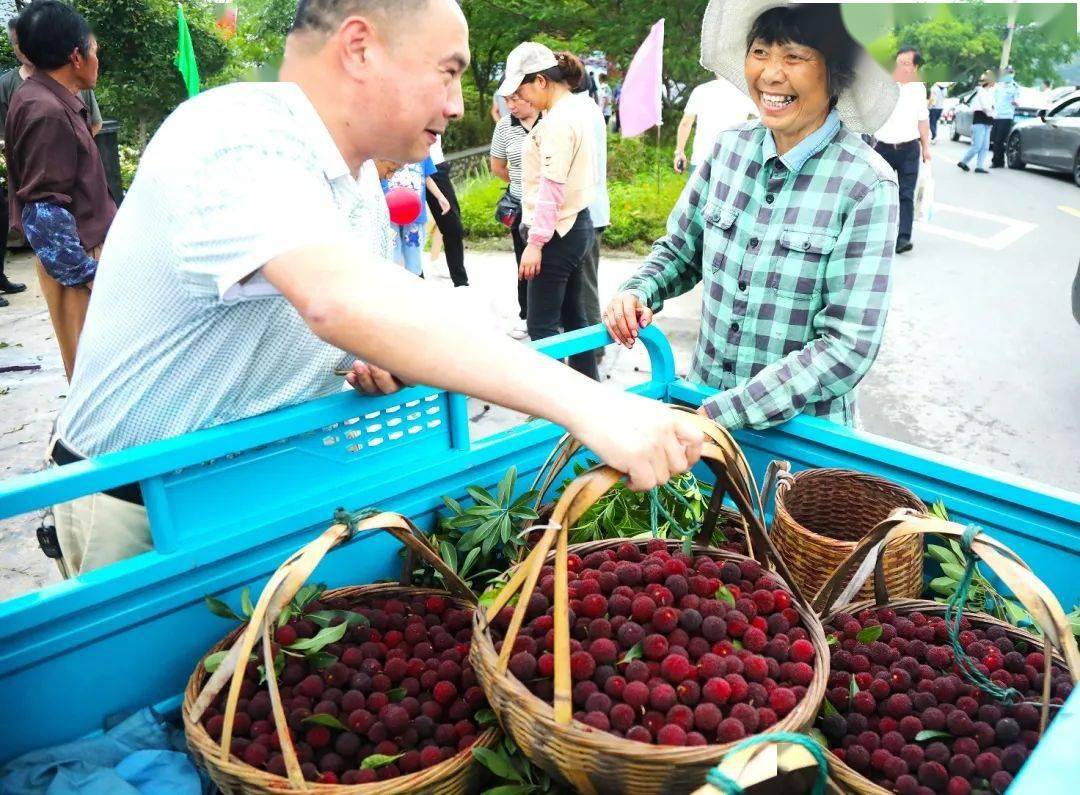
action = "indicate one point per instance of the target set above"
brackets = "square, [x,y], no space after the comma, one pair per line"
[639,212]
[477,197]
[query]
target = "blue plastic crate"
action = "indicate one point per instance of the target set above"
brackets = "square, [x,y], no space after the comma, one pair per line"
[228,504]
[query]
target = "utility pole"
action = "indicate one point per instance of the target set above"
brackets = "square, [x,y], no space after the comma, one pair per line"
[1007,47]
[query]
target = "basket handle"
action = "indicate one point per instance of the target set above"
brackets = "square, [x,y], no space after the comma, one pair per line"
[739,483]
[276,595]
[1033,594]
[577,498]
[778,479]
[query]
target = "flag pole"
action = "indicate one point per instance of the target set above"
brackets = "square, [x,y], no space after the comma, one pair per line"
[657,159]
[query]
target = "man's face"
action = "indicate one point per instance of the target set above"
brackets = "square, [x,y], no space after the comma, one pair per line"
[519,108]
[789,84]
[418,71]
[86,67]
[905,70]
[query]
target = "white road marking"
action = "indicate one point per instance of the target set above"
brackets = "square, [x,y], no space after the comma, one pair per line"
[1013,230]
[1069,210]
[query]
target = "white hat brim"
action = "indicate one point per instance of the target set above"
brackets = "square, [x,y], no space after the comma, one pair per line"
[863,107]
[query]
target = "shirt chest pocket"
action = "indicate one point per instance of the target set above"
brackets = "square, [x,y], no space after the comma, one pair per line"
[720,235]
[798,270]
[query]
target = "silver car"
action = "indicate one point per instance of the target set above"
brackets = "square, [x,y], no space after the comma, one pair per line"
[1051,140]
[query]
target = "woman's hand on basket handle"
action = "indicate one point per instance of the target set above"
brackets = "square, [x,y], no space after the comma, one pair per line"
[645,439]
[625,316]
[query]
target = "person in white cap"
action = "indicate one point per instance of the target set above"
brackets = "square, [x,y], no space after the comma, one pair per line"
[558,185]
[790,222]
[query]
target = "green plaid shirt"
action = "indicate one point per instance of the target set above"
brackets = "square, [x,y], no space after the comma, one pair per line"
[795,252]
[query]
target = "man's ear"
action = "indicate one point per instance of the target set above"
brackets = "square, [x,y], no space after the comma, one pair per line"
[357,45]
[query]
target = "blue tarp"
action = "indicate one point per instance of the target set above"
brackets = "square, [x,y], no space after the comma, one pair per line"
[142,755]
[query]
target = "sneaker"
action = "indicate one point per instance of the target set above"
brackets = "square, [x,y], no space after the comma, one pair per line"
[963,166]
[519,331]
[904,245]
[10,287]
[981,171]
[3,302]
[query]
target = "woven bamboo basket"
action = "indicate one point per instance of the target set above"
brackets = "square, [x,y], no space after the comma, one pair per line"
[821,514]
[1058,643]
[595,761]
[717,513]
[231,774]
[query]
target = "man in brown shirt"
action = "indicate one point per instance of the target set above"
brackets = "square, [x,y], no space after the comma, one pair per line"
[59,196]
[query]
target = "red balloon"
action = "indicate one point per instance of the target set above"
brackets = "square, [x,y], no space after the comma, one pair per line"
[404,205]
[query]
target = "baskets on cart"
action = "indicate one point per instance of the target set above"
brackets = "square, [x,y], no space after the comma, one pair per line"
[1057,644]
[821,514]
[587,758]
[232,775]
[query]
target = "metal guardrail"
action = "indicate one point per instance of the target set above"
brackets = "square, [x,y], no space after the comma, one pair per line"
[467,160]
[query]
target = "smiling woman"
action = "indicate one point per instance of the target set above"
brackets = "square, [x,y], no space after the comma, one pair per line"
[791,223]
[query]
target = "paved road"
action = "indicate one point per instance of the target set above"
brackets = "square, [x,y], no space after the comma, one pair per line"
[982,355]
[981,359]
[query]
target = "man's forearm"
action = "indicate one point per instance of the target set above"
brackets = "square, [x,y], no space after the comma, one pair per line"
[383,315]
[924,133]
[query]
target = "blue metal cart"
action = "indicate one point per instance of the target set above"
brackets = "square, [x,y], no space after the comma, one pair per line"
[228,504]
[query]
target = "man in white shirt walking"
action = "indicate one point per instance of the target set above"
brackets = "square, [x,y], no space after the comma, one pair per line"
[714,106]
[905,135]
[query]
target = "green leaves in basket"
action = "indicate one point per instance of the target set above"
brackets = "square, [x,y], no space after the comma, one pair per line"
[930,734]
[220,609]
[375,761]
[320,659]
[325,618]
[213,661]
[944,555]
[737,644]
[945,586]
[492,520]
[828,709]
[635,653]
[852,687]
[324,638]
[832,640]
[818,737]
[396,694]
[485,717]
[869,635]
[279,666]
[329,721]
[498,763]
[724,595]
[245,603]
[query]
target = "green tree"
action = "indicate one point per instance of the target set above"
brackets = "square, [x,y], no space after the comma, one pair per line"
[621,27]
[139,85]
[962,40]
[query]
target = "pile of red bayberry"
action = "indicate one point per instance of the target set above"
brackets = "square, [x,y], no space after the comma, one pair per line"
[668,648]
[901,715]
[401,697]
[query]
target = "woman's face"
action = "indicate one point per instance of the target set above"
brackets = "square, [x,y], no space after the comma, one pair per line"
[535,93]
[789,84]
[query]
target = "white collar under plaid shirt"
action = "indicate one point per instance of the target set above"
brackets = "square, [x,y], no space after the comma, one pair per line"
[795,252]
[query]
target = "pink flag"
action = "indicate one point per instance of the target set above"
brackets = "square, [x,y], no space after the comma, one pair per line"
[639,103]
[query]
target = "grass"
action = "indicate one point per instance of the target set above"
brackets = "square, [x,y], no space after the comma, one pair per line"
[639,211]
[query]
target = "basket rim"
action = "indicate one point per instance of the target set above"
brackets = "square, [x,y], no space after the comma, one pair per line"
[202,745]
[598,741]
[849,474]
[849,775]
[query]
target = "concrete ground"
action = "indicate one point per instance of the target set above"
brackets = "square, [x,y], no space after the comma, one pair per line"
[980,359]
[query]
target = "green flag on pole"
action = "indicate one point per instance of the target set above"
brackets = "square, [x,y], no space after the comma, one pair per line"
[185,54]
